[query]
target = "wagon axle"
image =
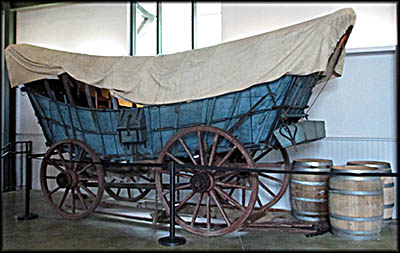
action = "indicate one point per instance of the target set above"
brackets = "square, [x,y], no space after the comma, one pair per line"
[202,182]
[67,179]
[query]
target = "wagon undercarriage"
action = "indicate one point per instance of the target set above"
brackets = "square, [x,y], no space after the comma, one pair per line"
[209,203]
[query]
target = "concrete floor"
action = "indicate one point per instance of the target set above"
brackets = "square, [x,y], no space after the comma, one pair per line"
[106,232]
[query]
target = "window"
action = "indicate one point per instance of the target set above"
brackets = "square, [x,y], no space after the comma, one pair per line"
[209,26]
[177,30]
[146,28]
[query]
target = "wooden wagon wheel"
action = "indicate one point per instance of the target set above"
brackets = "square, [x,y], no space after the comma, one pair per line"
[72,178]
[210,203]
[123,192]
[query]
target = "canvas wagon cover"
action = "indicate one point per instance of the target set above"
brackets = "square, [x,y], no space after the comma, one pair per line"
[299,49]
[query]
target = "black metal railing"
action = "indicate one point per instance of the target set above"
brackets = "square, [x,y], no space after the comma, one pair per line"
[12,154]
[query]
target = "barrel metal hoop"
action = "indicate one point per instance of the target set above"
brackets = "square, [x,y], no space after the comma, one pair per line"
[363,235]
[388,206]
[308,182]
[313,164]
[388,185]
[301,212]
[307,218]
[357,178]
[356,193]
[309,199]
[327,169]
[375,164]
[356,219]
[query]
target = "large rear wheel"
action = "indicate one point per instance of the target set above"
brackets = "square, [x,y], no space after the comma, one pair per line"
[210,202]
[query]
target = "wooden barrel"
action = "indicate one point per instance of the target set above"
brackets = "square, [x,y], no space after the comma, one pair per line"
[355,203]
[388,187]
[309,193]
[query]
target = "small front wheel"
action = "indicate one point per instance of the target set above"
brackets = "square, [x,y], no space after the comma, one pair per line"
[72,178]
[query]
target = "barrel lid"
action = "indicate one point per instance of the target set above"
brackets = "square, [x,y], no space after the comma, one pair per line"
[312,163]
[374,164]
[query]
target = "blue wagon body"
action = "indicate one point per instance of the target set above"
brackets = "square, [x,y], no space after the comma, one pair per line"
[140,133]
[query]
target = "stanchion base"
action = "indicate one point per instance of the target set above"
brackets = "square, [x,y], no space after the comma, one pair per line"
[30,216]
[172,241]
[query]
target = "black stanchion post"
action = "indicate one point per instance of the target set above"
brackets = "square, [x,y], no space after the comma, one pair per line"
[28,184]
[172,240]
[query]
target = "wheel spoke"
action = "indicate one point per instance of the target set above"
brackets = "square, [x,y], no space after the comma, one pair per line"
[78,192]
[52,162]
[146,178]
[262,154]
[213,150]
[88,179]
[226,174]
[174,158]
[196,209]
[237,186]
[183,175]
[184,186]
[271,178]
[87,189]
[187,151]
[53,191]
[180,187]
[63,197]
[62,158]
[226,196]
[220,209]
[73,200]
[183,202]
[71,158]
[201,150]
[85,168]
[208,210]
[259,201]
[227,156]
[79,158]
[243,197]
[266,188]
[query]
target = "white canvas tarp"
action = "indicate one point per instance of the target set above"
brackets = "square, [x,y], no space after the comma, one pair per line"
[300,49]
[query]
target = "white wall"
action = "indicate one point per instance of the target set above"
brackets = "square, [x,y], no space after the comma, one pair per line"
[359,107]
[82,28]
[376,23]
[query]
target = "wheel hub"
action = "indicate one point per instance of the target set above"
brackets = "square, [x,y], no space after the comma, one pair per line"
[201,182]
[66,179]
